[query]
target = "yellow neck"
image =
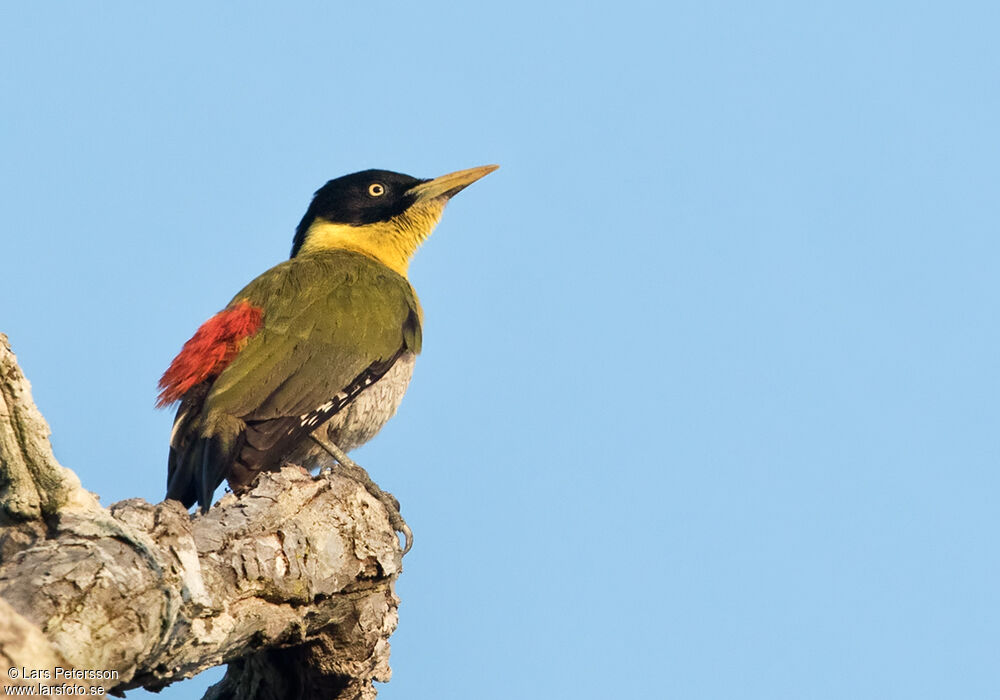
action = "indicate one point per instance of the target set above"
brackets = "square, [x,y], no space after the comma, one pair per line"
[391,242]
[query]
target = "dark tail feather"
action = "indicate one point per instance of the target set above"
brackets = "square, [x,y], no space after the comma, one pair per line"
[214,465]
[205,487]
[182,482]
[195,475]
[196,464]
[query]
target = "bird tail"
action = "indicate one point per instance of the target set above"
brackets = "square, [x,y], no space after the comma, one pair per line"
[182,479]
[200,458]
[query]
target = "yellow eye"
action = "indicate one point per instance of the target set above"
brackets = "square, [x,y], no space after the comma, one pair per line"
[376,189]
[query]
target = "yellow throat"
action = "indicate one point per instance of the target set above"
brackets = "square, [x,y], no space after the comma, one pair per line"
[391,242]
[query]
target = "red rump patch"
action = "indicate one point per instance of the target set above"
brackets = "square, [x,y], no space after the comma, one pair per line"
[212,347]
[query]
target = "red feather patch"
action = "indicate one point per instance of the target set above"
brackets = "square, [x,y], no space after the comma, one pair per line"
[212,347]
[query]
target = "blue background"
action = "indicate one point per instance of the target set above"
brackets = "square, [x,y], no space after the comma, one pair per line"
[708,400]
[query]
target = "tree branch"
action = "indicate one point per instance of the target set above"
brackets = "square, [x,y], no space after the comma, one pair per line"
[32,483]
[292,584]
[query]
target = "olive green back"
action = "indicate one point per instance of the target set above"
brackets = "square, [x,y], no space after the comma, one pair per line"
[328,316]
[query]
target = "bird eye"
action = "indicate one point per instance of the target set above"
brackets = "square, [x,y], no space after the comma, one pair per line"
[376,189]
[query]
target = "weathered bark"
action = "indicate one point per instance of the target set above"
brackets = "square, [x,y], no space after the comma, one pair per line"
[32,483]
[292,584]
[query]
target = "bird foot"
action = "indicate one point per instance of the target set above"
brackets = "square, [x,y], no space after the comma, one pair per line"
[347,467]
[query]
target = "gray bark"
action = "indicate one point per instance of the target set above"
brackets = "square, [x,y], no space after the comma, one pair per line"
[291,584]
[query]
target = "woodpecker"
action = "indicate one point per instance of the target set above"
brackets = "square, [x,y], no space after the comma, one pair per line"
[312,357]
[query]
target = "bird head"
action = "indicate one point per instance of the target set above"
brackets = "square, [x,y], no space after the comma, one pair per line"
[379,213]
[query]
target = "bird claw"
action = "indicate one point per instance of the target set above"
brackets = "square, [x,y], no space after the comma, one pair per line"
[352,470]
[401,526]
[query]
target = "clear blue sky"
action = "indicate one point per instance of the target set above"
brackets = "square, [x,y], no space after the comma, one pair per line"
[708,400]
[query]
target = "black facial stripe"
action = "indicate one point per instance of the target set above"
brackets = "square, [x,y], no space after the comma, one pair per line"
[347,200]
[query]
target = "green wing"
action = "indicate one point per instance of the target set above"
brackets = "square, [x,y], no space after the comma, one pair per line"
[327,318]
[331,319]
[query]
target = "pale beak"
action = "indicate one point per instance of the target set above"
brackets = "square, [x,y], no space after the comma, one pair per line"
[449,185]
